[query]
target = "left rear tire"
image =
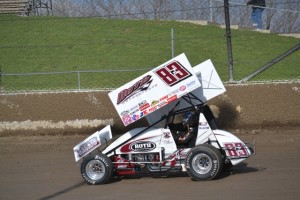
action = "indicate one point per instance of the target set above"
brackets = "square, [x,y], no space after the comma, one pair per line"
[96,169]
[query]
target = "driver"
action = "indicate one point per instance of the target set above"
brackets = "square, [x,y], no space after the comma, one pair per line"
[187,137]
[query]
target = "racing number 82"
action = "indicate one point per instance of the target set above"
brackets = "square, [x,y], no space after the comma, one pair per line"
[173,73]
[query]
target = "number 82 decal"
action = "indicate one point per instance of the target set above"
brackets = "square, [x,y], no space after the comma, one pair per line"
[173,73]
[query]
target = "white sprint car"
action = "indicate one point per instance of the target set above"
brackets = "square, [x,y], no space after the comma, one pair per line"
[182,135]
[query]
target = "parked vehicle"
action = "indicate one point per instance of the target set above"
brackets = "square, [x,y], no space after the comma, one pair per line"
[182,135]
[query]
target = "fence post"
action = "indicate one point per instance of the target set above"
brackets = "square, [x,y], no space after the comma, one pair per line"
[228,35]
[211,10]
[172,41]
[78,80]
[0,80]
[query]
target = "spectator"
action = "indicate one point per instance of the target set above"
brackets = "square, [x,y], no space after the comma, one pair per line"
[257,10]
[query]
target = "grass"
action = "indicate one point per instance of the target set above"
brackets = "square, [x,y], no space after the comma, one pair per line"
[55,44]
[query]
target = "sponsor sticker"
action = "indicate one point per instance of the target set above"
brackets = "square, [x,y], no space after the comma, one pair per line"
[191,84]
[203,125]
[85,147]
[143,105]
[171,99]
[154,102]
[140,85]
[182,88]
[142,146]
[164,98]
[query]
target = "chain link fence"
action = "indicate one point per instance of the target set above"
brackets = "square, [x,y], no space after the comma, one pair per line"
[82,44]
[70,81]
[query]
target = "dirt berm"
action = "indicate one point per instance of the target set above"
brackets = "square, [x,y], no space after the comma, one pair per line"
[255,106]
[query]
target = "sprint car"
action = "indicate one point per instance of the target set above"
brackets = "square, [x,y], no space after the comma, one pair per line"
[182,135]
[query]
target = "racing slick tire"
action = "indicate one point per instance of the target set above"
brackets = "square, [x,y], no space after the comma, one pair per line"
[204,162]
[96,169]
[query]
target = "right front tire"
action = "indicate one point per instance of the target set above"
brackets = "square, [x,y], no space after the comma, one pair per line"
[96,169]
[204,162]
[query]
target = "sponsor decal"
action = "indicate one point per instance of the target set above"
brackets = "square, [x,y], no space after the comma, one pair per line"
[125,112]
[140,85]
[172,73]
[174,92]
[191,84]
[182,88]
[161,104]
[145,112]
[143,105]
[203,125]
[126,119]
[171,99]
[166,135]
[154,102]
[163,98]
[152,109]
[133,112]
[85,147]
[134,108]
[135,117]
[142,146]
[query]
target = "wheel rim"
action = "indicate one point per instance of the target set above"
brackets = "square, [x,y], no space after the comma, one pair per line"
[202,163]
[95,169]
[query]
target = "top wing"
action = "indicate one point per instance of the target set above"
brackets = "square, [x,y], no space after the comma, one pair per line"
[211,83]
[154,89]
[211,86]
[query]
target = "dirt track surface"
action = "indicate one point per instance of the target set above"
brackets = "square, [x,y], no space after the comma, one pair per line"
[43,167]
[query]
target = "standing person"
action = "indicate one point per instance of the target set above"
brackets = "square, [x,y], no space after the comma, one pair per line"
[257,9]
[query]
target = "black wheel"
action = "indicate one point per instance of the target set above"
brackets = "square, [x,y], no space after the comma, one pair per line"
[96,169]
[204,162]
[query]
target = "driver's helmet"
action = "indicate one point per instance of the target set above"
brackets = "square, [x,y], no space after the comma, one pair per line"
[187,118]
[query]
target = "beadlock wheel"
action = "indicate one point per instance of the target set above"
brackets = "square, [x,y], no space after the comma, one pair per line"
[95,169]
[204,162]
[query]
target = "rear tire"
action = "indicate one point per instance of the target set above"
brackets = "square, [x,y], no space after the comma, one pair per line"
[204,162]
[96,169]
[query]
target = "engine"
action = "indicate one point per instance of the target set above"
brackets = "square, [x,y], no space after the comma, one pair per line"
[133,163]
[145,157]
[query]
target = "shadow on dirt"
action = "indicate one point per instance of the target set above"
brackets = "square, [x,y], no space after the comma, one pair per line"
[57,194]
[238,169]
[148,175]
[242,168]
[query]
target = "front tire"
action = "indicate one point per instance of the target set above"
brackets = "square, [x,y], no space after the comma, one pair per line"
[204,162]
[96,169]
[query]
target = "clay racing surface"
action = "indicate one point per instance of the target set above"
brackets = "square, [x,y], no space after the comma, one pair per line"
[43,168]
[39,131]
